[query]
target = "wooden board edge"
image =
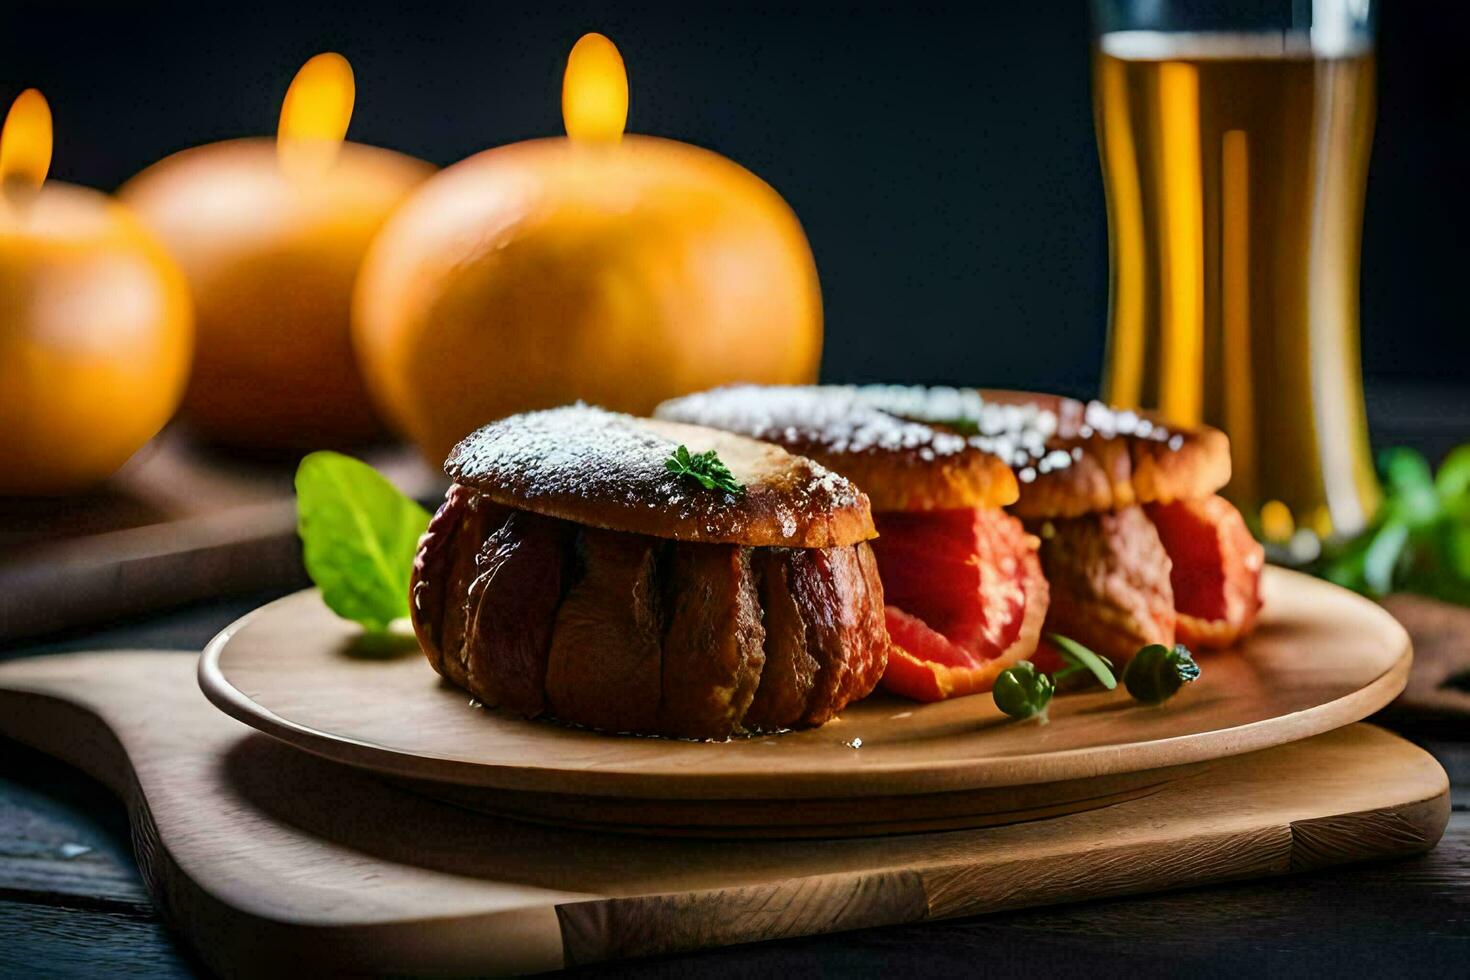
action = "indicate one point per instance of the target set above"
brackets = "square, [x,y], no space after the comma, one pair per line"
[235,942]
[1412,828]
[602,930]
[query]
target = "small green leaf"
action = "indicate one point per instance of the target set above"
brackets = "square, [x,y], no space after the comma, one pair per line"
[706,469]
[1022,691]
[1453,478]
[1419,541]
[1382,556]
[1404,469]
[1078,655]
[358,538]
[1457,549]
[1156,672]
[1412,497]
[959,426]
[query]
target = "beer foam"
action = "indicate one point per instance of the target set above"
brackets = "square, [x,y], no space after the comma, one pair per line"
[1223,45]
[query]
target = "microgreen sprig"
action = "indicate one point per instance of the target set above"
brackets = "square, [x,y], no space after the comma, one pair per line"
[706,469]
[1081,660]
[1023,691]
[1154,675]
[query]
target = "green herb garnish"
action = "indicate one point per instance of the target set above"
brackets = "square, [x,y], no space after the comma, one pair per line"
[359,535]
[1081,660]
[1023,691]
[1156,673]
[706,468]
[1419,541]
[959,426]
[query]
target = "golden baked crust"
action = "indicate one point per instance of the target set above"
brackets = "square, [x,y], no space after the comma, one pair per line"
[1070,457]
[918,448]
[607,470]
[902,464]
[1103,458]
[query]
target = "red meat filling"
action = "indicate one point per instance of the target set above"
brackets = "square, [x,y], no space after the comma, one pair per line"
[965,599]
[1216,572]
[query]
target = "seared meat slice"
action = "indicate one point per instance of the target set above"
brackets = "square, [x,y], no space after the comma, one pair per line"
[604,670]
[1217,569]
[1109,578]
[841,601]
[442,572]
[790,671]
[511,607]
[965,573]
[712,653]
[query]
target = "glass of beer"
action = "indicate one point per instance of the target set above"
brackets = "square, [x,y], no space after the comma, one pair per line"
[1234,140]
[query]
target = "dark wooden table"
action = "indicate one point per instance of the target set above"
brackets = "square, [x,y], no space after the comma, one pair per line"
[72,904]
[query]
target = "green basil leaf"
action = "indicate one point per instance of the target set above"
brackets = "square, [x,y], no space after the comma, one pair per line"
[358,538]
[1457,549]
[1405,469]
[1411,494]
[1079,656]
[1382,556]
[1453,478]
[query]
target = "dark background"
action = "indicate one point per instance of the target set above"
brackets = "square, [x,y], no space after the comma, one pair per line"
[941,159]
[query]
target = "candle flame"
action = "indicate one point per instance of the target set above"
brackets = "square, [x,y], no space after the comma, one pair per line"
[25,143]
[594,91]
[315,114]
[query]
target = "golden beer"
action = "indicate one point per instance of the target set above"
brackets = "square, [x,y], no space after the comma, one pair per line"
[1234,167]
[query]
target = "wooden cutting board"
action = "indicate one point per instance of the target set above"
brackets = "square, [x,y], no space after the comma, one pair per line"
[270,860]
[178,523]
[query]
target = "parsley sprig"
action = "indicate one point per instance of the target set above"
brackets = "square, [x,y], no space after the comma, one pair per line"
[704,468]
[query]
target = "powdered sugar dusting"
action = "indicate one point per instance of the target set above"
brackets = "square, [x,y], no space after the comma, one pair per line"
[839,419]
[576,460]
[934,422]
[1017,433]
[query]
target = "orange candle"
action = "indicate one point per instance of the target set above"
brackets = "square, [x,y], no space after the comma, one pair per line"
[613,268]
[270,234]
[95,325]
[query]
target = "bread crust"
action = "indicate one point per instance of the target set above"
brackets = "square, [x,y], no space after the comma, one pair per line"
[607,470]
[917,448]
[1105,459]
[901,464]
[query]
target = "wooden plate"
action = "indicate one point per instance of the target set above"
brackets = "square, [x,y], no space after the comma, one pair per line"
[1321,659]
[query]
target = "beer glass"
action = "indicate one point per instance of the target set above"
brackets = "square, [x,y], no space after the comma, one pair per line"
[1234,140]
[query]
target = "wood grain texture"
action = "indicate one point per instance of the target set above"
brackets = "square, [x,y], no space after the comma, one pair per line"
[177,523]
[1322,658]
[269,859]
